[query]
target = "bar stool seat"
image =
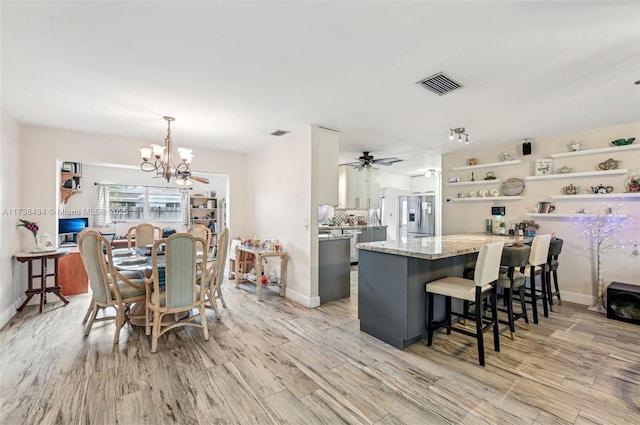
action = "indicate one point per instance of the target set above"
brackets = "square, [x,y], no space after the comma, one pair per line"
[478,290]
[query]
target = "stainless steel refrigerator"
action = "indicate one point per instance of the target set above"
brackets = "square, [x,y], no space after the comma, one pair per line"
[416,216]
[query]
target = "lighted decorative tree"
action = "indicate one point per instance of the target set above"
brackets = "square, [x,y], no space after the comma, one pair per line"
[602,230]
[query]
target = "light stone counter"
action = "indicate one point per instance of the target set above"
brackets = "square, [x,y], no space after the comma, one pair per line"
[333,237]
[435,247]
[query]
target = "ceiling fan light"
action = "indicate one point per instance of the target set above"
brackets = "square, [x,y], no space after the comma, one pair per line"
[466,140]
[183,182]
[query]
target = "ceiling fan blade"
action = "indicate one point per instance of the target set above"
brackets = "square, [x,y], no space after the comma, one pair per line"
[352,163]
[389,160]
[200,179]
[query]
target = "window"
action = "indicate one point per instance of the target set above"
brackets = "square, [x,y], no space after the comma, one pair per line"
[136,203]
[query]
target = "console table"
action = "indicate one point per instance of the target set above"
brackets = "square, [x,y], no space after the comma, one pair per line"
[29,257]
[259,255]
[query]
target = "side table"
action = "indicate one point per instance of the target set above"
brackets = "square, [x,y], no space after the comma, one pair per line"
[259,255]
[29,257]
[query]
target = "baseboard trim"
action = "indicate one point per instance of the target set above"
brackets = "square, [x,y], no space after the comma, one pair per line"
[7,314]
[310,302]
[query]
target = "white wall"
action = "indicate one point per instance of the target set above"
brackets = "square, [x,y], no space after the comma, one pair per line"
[9,200]
[282,207]
[394,181]
[577,270]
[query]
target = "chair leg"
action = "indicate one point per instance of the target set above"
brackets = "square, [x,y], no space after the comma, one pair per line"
[465,311]
[448,313]
[429,319]
[549,292]
[203,321]
[479,333]
[89,310]
[494,317]
[119,322]
[218,291]
[508,299]
[534,300]
[147,321]
[545,298]
[94,313]
[155,332]
[555,283]
[523,305]
[213,301]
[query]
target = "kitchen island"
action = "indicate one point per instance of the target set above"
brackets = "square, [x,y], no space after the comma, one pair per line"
[392,277]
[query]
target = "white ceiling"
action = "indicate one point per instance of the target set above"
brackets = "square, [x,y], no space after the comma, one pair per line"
[233,72]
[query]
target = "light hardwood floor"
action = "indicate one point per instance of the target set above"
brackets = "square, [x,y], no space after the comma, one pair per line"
[277,362]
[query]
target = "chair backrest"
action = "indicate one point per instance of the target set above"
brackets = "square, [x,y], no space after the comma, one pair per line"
[180,259]
[515,256]
[91,245]
[145,234]
[201,231]
[488,263]
[222,253]
[555,248]
[539,250]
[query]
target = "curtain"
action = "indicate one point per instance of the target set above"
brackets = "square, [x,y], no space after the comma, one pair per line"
[103,216]
[184,207]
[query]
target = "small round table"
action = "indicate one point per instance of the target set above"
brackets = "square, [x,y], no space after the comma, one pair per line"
[28,257]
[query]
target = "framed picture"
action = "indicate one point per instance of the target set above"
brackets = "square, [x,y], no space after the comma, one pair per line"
[543,166]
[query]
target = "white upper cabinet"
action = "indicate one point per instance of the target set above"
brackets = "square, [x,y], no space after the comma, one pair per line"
[359,189]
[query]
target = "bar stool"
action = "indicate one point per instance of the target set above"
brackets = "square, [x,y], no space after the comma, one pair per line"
[536,266]
[555,248]
[510,280]
[479,289]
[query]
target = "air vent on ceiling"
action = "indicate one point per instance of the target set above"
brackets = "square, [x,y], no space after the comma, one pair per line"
[440,84]
[279,133]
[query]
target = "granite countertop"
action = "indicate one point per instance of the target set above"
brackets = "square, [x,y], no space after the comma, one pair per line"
[330,237]
[354,227]
[435,247]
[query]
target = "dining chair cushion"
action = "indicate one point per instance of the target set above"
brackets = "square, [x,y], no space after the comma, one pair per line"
[128,291]
[456,287]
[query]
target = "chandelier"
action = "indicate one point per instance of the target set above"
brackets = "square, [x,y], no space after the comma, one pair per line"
[431,173]
[460,131]
[163,163]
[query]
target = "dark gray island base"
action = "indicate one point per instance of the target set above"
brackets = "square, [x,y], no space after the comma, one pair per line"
[392,277]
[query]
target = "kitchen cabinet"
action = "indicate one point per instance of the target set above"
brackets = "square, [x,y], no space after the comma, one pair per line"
[359,188]
[325,145]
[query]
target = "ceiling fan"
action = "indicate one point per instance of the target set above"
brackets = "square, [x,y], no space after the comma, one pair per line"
[367,161]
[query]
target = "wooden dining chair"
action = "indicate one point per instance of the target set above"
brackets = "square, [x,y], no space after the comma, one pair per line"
[109,287]
[180,292]
[143,234]
[482,286]
[203,232]
[214,275]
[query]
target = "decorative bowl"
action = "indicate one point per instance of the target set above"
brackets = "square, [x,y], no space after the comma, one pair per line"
[623,142]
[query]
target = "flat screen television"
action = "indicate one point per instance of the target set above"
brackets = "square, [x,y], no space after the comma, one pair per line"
[70,227]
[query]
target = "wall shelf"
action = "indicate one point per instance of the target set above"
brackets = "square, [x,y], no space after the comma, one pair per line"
[553,215]
[597,196]
[476,182]
[485,198]
[580,174]
[595,151]
[491,164]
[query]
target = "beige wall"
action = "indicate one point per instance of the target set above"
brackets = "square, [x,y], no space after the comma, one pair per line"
[577,270]
[9,199]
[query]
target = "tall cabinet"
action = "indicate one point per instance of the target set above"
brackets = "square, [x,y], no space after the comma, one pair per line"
[359,188]
[204,210]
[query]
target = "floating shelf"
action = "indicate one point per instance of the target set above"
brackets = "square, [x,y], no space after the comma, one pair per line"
[597,196]
[476,182]
[596,151]
[553,215]
[485,198]
[491,164]
[580,174]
